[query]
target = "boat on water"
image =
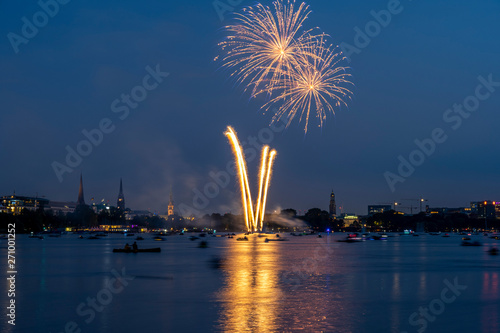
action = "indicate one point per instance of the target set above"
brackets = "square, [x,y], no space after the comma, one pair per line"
[139,238]
[379,237]
[466,238]
[352,238]
[475,243]
[36,236]
[155,249]
[275,240]
[493,251]
[159,239]
[242,238]
[446,235]
[93,237]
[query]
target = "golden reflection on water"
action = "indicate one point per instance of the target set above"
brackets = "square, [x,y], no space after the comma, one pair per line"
[251,296]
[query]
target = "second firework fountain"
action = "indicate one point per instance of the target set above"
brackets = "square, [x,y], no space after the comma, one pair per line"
[254,214]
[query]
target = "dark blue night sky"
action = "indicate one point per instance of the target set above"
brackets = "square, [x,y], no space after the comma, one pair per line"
[66,77]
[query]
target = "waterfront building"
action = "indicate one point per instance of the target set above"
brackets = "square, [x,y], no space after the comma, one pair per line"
[483,209]
[375,209]
[120,203]
[61,207]
[14,204]
[170,211]
[333,206]
[349,219]
[448,211]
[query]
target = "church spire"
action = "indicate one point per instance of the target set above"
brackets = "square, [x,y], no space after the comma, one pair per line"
[120,204]
[333,205]
[170,204]
[81,198]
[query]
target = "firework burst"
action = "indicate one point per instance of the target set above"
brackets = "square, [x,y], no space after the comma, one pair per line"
[300,74]
[264,44]
[319,85]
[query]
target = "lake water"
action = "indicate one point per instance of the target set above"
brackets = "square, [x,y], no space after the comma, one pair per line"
[307,284]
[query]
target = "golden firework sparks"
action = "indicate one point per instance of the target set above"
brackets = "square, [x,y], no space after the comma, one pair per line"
[264,43]
[254,222]
[269,52]
[318,85]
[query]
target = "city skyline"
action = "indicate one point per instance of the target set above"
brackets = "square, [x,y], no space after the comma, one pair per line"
[407,206]
[67,88]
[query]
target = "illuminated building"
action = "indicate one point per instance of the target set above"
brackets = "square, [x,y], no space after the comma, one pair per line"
[122,228]
[448,211]
[98,207]
[376,209]
[14,204]
[61,207]
[349,219]
[170,211]
[333,205]
[497,209]
[483,209]
[120,203]
[130,214]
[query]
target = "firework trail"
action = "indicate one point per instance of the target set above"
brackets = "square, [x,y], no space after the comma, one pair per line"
[254,222]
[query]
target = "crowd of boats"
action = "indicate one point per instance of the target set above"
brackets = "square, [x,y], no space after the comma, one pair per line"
[466,240]
[466,237]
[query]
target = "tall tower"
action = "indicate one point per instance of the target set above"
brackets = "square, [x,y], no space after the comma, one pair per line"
[120,203]
[170,205]
[333,206]
[81,199]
